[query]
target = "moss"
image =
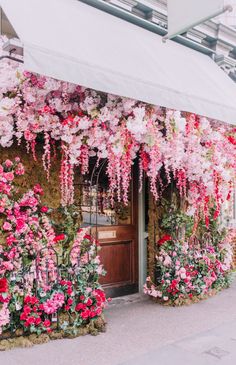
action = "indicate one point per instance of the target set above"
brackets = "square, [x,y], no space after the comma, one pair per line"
[94,328]
[35,174]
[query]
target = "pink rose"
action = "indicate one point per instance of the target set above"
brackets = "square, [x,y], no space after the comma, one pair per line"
[7,226]
[9,176]
[38,189]
[20,224]
[8,163]
[20,169]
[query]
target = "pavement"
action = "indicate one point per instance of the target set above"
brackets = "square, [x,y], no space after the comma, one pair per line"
[141,332]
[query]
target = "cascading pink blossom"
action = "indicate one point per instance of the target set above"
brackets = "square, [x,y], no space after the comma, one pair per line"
[199,153]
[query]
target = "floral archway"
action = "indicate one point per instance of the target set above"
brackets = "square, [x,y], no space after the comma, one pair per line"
[195,153]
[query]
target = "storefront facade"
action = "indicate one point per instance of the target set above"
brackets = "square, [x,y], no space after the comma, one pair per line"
[123,232]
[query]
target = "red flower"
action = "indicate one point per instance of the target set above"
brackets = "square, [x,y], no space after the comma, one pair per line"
[20,223]
[3,285]
[31,320]
[23,316]
[59,237]
[44,209]
[46,323]
[38,321]
[27,310]
[69,291]
[85,314]
[80,306]
[164,239]
[232,140]
[87,237]
[31,300]
[38,189]
[68,120]
[89,302]
[145,160]
[70,301]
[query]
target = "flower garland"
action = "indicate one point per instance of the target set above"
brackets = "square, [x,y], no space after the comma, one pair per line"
[198,153]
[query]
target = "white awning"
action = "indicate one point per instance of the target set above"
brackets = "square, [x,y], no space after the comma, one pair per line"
[74,42]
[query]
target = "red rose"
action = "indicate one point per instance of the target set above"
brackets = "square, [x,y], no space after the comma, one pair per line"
[46,323]
[89,302]
[69,291]
[31,320]
[38,321]
[85,314]
[59,237]
[92,314]
[3,285]
[27,310]
[79,307]
[164,239]
[23,316]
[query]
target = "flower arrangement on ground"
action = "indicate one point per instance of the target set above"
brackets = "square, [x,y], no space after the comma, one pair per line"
[191,267]
[48,281]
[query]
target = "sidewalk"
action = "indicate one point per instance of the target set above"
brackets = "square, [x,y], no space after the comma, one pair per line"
[144,333]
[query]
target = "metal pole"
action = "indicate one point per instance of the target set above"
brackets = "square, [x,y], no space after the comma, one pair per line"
[11,58]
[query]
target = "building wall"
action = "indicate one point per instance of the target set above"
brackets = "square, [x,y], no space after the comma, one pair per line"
[216,35]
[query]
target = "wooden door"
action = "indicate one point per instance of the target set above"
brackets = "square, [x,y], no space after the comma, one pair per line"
[117,231]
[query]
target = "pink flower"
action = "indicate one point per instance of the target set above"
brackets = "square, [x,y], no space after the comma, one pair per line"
[38,189]
[29,136]
[20,224]
[9,176]
[8,163]
[50,307]
[44,209]
[7,226]
[20,169]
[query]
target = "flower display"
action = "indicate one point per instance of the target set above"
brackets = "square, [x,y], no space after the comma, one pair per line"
[36,281]
[197,152]
[50,277]
[192,267]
